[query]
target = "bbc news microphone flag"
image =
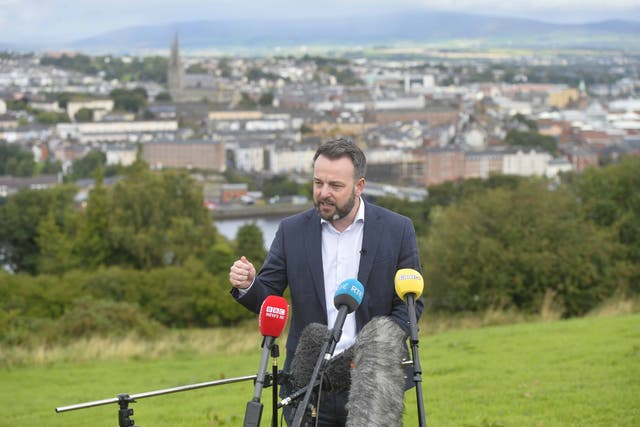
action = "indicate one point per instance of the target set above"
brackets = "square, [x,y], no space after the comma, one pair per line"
[273,316]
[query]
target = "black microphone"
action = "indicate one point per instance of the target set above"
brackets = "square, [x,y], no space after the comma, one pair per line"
[307,351]
[347,299]
[378,376]
[337,376]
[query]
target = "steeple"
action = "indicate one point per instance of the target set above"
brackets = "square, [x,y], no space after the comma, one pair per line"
[175,71]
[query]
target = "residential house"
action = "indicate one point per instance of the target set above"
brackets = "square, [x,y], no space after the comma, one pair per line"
[483,163]
[523,163]
[123,155]
[99,107]
[191,154]
[442,164]
[115,131]
[10,184]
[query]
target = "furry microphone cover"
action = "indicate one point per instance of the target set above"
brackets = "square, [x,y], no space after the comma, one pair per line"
[377,377]
[336,376]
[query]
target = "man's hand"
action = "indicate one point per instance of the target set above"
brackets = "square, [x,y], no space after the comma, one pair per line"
[242,273]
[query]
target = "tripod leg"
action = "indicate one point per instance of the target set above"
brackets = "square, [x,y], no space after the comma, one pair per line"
[125,413]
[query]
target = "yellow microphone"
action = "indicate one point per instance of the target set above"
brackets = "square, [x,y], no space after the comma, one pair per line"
[409,282]
[409,286]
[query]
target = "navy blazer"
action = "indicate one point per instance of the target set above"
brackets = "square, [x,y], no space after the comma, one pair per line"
[295,259]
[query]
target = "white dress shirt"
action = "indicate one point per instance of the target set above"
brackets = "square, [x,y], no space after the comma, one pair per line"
[340,261]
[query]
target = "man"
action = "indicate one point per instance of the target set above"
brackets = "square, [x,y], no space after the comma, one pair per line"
[313,252]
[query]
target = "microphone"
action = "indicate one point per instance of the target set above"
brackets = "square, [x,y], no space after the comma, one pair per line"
[306,354]
[378,376]
[337,376]
[347,299]
[273,318]
[409,286]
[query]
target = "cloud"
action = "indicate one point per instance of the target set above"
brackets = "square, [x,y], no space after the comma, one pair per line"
[33,20]
[548,10]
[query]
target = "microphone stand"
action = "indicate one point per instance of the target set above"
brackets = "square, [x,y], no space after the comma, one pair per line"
[417,369]
[326,351]
[253,412]
[123,400]
[275,353]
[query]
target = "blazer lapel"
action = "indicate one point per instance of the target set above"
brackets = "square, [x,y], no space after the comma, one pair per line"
[370,241]
[371,237]
[313,248]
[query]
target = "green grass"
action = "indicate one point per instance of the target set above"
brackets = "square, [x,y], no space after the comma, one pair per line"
[580,372]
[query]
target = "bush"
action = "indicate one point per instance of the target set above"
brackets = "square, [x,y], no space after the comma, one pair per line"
[507,248]
[89,317]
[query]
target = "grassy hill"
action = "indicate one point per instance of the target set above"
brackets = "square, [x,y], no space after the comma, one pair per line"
[580,372]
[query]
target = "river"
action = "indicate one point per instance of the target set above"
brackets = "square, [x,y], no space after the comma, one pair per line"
[229,227]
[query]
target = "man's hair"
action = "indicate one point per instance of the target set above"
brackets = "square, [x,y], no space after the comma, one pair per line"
[338,148]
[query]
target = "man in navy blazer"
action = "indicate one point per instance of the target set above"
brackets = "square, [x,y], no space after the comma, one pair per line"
[308,251]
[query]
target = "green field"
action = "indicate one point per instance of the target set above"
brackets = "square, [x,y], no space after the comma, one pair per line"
[580,372]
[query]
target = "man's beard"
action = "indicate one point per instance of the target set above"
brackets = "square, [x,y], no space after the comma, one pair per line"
[340,211]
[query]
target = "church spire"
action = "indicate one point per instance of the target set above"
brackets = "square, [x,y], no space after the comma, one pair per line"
[175,71]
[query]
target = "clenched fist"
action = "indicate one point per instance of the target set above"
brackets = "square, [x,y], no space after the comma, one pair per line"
[242,273]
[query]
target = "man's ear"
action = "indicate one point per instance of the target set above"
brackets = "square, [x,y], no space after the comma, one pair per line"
[359,187]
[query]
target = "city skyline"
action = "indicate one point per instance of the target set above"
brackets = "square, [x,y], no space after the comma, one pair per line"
[32,22]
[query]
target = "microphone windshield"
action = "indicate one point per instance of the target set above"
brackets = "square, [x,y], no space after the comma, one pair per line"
[408,281]
[273,316]
[349,293]
[307,351]
[377,377]
[337,376]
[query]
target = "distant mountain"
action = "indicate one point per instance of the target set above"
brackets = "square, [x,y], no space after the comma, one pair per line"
[419,27]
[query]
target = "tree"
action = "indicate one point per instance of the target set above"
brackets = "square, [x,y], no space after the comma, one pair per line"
[157,219]
[86,166]
[129,100]
[55,248]
[446,194]
[507,248]
[250,243]
[266,99]
[247,101]
[84,115]
[163,96]
[531,140]
[15,161]
[51,117]
[93,241]
[610,199]
[20,218]
[255,74]
[280,185]
[521,119]
[48,167]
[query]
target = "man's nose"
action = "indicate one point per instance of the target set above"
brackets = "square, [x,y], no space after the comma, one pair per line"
[324,191]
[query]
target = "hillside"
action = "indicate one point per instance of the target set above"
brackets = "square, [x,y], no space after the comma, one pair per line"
[403,28]
[565,373]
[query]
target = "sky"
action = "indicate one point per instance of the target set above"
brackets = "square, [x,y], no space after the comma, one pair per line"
[31,21]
